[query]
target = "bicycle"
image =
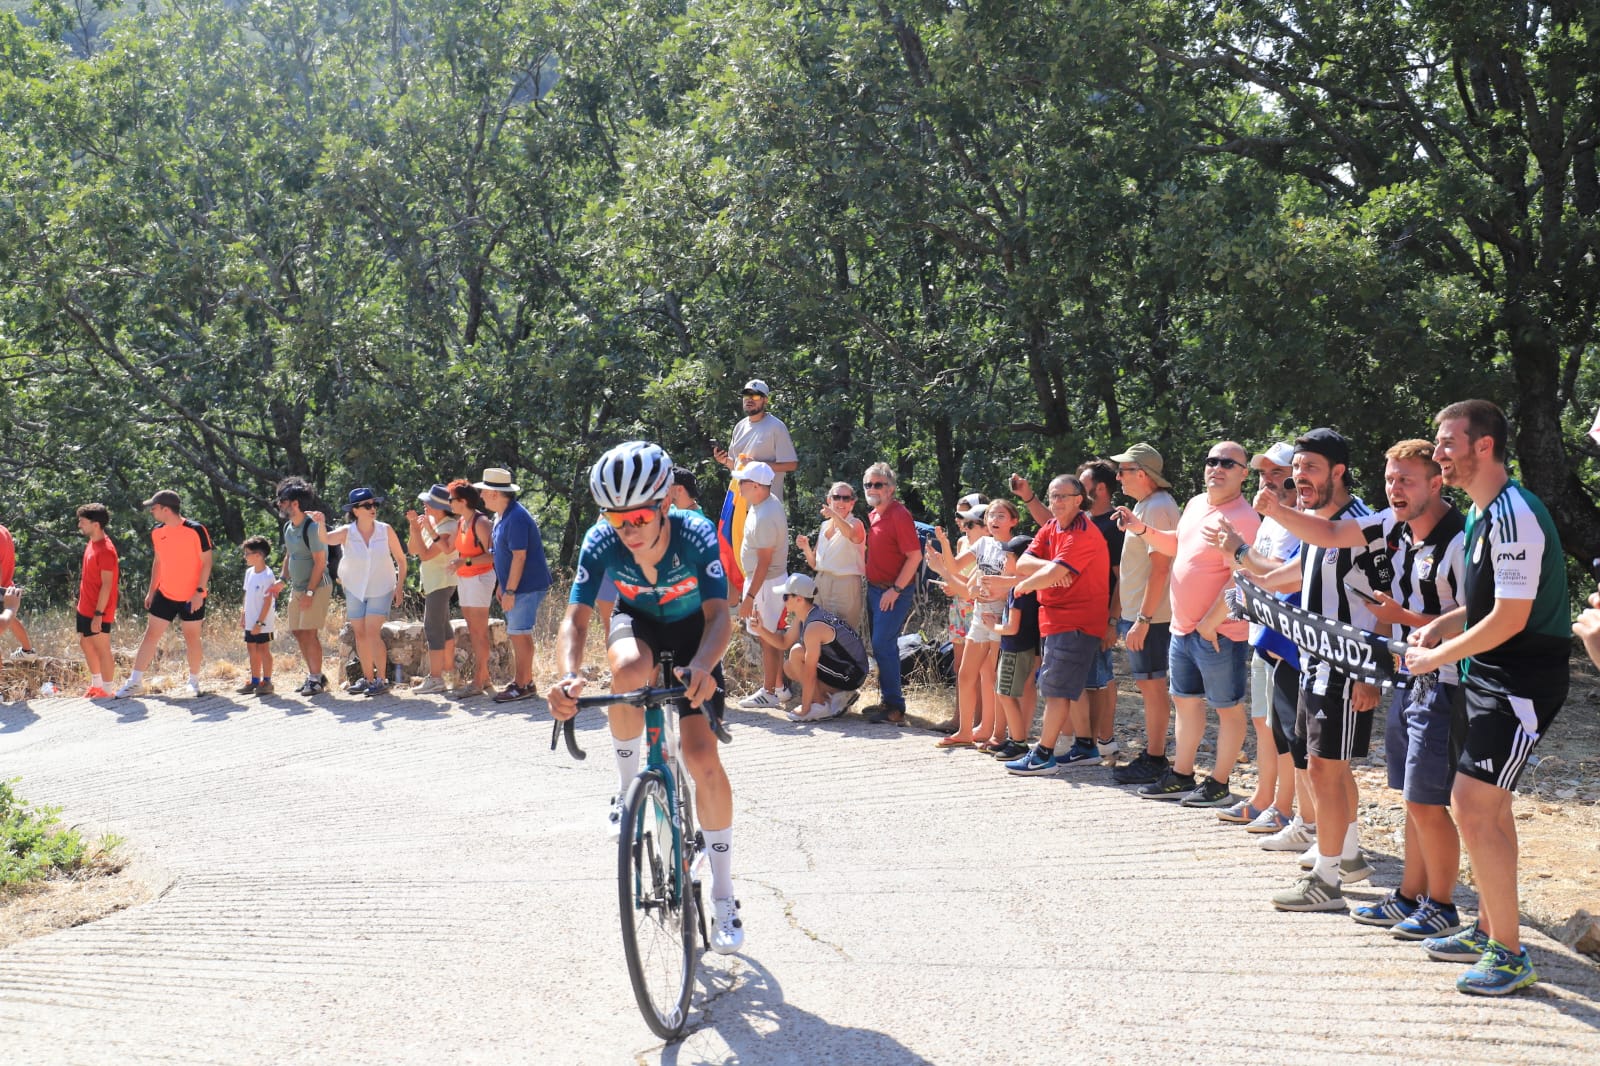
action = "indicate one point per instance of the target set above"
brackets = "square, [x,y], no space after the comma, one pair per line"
[658,892]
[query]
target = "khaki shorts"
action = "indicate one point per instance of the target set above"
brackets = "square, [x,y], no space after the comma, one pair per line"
[302,617]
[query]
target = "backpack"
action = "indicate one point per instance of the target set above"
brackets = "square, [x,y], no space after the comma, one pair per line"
[335,552]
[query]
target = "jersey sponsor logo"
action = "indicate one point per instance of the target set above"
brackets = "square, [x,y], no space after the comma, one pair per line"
[582,576]
[1512,557]
[664,595]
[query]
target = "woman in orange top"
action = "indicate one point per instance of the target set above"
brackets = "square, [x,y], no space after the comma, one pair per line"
[475,579]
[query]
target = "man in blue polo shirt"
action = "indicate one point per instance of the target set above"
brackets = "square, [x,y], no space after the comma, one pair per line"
[521,574]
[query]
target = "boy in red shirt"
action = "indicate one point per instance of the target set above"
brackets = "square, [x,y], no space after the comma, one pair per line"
[97,598]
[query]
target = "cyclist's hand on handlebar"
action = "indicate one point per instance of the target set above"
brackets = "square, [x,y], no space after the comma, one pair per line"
[563,698]
[699,685]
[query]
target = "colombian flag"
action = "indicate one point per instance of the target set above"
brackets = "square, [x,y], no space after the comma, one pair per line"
[730,531]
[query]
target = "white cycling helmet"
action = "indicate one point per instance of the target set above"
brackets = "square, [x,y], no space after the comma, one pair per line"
[634,474]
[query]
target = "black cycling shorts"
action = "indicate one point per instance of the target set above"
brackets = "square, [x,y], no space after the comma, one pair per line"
[681,638]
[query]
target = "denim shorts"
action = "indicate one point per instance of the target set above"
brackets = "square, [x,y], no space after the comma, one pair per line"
[524,612]
[1151,663]
[1422,742]
[1100,671]
[1068,659]
[1199,670]
[378,606]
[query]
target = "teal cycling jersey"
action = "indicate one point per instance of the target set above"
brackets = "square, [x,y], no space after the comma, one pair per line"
[689,574]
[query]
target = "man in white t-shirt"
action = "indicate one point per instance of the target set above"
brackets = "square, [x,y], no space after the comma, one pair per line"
[760,437]
[764,558]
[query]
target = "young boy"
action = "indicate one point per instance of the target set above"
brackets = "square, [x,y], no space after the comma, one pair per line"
[97,598]
[260,616]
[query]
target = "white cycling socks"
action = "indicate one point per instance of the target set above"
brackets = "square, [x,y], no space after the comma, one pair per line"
[627,752]
[719,848]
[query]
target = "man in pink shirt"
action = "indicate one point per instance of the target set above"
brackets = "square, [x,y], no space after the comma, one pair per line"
[1208,653]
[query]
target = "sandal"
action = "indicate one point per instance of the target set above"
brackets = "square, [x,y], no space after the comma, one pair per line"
[954,741]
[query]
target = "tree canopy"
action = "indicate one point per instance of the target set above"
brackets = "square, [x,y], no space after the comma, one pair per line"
[383,243]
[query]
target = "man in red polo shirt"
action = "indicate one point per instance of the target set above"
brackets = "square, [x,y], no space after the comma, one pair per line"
[1069,566]
[893,555]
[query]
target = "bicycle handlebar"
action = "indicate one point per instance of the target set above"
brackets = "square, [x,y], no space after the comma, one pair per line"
[639,697]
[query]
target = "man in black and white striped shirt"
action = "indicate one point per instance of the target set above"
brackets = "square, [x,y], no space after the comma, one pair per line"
[1334,713]
[1422,533]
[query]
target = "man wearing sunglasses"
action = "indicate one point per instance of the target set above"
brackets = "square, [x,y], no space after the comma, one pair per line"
[672,596]
[893,555]
[1207,652]
[759,437]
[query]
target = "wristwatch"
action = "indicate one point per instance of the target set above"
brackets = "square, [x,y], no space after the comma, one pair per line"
[1146,619]
[1240,552]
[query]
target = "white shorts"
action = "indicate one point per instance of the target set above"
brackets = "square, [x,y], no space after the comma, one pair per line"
[476,591]
[769,603]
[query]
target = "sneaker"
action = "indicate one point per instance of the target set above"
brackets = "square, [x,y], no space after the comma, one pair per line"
[1356,869]
[1078,755]
[265,688]
[130,688]
[1171,786]
[1388,912]
[312,687]
[464,692]
[788,698]
[1310,893]
[614,818]
[1308,857]
[1268,821]
[884,715]
[376,687]
[193,689]
[815,713]
[1465,945]
[1498,972]
[358,687]
[95,692]
[23,655]
[1292,837]
[1430,919]
[430,685]
[1146,769]
[842,702]
[1108,751]
[1036,762]
[761,699]
[1009,750]
[1209,793]
[727,929]
[246,689]
[512,693]
[1241,813]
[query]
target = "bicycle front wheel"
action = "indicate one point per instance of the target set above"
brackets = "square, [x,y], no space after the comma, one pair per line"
[657,906]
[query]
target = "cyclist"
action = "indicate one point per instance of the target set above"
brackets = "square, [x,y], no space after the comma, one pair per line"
[672,596]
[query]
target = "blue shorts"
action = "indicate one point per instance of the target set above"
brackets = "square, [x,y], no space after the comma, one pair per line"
[1151,663]
[1100,671]
[1067,660]
[524,612]
[378,606]
[1199,670]
[1422,742]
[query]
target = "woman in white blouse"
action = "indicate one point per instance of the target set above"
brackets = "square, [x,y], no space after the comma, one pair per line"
[839,558]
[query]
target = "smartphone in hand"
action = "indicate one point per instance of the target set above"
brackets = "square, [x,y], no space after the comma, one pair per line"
[1361,593]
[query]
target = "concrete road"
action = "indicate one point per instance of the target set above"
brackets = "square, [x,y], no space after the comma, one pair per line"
[399,881]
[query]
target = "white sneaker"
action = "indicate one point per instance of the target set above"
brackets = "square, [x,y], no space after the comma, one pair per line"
[193,688]
[1308,857]
[727,930]
[815,713]
[790,697]
[614,819]
[1292,837]
[841,702]
[761,699]
[429,685]
[129,688]
[23,655]
[1108,752]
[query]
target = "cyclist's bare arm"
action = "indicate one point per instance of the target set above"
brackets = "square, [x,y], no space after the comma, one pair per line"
[696,676]
[570,642]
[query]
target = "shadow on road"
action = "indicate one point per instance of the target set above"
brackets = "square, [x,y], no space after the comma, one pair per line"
[733,1002]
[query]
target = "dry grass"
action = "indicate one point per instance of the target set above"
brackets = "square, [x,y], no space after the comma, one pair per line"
[99,888]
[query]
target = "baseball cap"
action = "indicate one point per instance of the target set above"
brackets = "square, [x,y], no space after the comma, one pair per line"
[1328,443]
[760,473]
[975,513]
[757,385]
[1147,459]
[164,498]
[1019,544]
[1279,454]
[798,585]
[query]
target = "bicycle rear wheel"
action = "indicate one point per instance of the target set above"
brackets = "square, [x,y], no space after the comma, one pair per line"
[657,907]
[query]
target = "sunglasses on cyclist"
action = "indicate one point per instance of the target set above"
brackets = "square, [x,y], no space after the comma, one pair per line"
[638,516]
[1222,461]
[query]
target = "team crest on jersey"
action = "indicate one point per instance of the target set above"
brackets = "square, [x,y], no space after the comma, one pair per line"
[715,569]
[582,575]
[1331,557]
[1425,568]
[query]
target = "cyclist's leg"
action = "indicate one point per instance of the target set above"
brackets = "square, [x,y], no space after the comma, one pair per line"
[632,664]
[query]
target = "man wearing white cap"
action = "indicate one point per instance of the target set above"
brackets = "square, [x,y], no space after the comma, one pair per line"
[764,558]
[825,657]
[760,437]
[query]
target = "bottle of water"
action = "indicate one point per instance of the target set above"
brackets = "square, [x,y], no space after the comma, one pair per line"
[47,689]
